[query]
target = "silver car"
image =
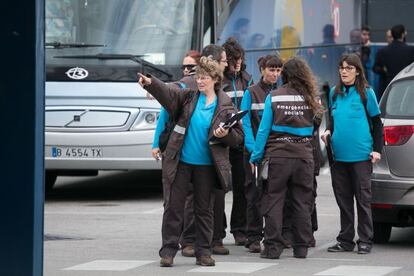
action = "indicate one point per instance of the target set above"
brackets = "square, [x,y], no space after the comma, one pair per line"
[393,176]
[91,128]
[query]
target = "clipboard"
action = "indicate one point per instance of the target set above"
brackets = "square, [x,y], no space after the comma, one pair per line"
[229,123]
[329,150]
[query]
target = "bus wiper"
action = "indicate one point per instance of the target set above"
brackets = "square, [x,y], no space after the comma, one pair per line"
[60,45]
[137,58]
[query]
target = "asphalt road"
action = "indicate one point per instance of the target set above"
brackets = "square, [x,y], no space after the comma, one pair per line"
[111,225]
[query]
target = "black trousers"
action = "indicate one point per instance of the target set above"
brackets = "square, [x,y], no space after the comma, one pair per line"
[238,209]
[220,221]
[204,179]
[188,236]
[297,176]
[254,218]
[353,180]
[287,214]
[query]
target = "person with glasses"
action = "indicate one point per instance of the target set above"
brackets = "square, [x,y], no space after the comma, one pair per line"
[356,131]
[284,138]
[190,61]
[218,54]
[253,100]
[197,153]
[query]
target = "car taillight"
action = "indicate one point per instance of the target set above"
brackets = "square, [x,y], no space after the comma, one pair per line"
[397,135]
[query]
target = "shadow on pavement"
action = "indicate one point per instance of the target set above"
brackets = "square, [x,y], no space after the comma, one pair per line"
[108,186]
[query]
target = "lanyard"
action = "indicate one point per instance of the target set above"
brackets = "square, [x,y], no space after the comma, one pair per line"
[235,91]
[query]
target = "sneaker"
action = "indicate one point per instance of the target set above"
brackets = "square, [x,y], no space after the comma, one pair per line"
[300,252]
[255,247]
[205,261]
[188,251]
[239,239]
[219,249]
[364,248]
[166,261]
[339,247]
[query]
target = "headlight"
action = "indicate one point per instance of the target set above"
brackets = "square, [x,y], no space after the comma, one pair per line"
[147,119]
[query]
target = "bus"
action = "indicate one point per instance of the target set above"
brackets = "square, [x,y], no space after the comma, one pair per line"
[96,116]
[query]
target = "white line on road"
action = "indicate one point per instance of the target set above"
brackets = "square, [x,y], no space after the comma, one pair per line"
[351,270]
[109,265]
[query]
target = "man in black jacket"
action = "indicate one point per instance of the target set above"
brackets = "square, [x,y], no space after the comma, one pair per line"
[390,60]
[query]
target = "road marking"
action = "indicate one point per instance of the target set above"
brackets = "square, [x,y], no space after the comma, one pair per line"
[109,265]
[335,259]
[154,211]
[233,267]
[351,270]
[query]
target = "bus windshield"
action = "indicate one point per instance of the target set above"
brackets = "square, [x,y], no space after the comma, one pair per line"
[160,31]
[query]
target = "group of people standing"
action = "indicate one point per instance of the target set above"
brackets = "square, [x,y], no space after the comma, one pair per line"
[270,158]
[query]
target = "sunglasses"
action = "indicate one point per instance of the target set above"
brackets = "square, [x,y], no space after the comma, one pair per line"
[189,67]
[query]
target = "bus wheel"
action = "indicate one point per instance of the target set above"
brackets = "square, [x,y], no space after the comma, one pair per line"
[50,180]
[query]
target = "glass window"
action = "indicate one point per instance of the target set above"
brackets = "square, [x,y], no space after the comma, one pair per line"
[162,30]
[400,99]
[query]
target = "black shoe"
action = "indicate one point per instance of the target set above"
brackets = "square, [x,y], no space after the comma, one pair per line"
[254,247]
[239,239]
[270,254]
[364,248]
[339,247]
[300,252]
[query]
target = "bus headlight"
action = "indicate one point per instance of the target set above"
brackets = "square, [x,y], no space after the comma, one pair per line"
[147,119]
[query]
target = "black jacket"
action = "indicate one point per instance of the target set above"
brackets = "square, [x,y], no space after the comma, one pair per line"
[389,61]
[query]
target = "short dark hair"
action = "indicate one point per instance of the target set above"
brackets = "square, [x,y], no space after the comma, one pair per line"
[366,28]
[213,51]
[270,61]
[397,31]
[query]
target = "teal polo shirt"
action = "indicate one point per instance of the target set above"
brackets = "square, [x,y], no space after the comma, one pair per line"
[196,150]
[351,139]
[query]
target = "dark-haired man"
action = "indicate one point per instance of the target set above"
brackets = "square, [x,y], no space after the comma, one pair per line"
[390,60]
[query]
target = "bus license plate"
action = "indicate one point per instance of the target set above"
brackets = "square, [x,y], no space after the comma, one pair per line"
[59,152]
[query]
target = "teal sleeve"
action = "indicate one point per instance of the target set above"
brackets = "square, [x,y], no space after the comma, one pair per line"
[246,104]
[162,120]
[263,132]
[372,104]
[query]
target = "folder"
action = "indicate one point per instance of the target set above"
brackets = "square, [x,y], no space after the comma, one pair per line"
[234,119]
[329,150]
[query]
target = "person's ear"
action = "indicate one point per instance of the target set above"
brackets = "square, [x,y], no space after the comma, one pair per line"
[262,71]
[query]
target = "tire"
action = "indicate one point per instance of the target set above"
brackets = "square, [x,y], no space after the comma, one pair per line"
[382,232]
[50,180]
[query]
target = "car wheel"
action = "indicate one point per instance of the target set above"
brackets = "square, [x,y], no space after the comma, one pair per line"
[50,180]
[382,232]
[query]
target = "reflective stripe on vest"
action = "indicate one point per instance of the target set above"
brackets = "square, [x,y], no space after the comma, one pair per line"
[257,106]
[237,94]
[179,129]
[288,98]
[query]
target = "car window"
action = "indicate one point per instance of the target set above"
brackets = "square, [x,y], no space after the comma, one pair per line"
[400,100]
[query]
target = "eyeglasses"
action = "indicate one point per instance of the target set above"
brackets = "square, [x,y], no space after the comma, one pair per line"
[346,68]
[189,67]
